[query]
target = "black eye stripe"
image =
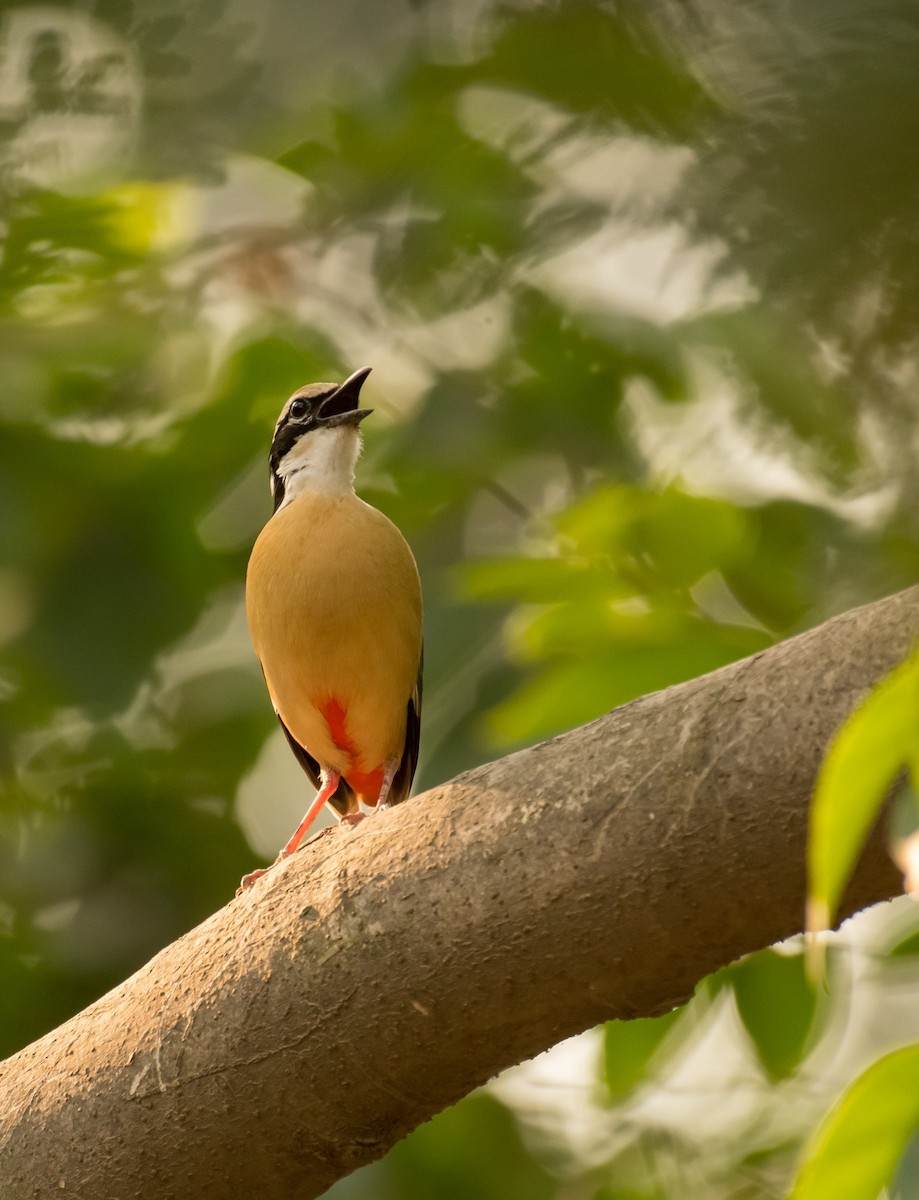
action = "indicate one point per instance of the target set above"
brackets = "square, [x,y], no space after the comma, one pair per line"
[298,418]
[284,441]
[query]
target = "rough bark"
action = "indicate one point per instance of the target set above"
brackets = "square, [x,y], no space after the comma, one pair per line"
[386,971]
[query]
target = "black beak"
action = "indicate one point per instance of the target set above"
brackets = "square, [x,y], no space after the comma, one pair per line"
[341,407]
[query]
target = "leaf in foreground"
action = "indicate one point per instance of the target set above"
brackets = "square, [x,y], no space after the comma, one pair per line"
[861,764]
[855,1153]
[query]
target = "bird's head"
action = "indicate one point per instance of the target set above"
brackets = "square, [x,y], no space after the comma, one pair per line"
[317,439]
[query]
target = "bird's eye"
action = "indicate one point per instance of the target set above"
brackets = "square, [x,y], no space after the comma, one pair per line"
[298,409]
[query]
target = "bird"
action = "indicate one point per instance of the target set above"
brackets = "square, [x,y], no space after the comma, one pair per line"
[334,608]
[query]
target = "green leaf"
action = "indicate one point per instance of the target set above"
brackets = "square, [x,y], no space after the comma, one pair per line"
[857,1148]
[576,690]
[861,764]
[535,580]
[907,947]
[688,536]
[472,1149]
[628,1048]
[776,1005]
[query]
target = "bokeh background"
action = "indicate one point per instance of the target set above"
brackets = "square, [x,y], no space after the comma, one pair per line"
[639,282]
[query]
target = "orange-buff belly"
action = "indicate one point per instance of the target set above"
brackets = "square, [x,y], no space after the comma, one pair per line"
[333,602]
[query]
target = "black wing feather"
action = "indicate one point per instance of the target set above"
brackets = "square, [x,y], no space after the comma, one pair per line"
[405,772]
[344,800]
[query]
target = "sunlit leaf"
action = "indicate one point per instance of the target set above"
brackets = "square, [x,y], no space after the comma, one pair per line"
[686,537]
[153,217]
[855,1152]
[583,686]
[536,580]
[862,762]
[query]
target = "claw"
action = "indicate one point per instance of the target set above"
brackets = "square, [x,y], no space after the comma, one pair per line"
[352,818]
[329,784]
[247,880]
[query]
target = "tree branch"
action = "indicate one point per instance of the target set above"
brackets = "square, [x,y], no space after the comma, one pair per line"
[386,971]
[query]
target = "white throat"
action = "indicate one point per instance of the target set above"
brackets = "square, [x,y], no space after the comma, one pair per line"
[321,461]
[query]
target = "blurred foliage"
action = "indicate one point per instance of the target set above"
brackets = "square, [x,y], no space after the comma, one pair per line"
[877,742]
[856,1151]
[638,282]
[629,1047]
[436,1163]
[611,614]
[777,1007]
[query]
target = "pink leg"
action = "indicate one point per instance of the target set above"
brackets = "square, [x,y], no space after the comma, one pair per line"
[330,780]
[367,810]
[388,777]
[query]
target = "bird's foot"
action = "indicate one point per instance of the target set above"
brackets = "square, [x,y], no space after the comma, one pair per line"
[329,784]
[247,880]
[352,818]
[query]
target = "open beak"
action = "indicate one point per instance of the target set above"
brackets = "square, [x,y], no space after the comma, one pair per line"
[341,407]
